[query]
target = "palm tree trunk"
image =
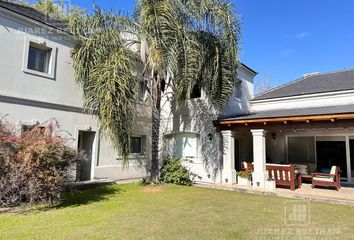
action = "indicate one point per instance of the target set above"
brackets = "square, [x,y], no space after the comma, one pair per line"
[155,135]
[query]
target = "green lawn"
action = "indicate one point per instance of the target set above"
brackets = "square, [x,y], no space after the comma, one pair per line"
[132,211]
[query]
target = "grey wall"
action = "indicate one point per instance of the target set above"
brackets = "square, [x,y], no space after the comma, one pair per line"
[27,98]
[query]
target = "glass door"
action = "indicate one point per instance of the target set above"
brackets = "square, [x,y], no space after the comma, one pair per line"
[238,163]
[331,151]
[351,147]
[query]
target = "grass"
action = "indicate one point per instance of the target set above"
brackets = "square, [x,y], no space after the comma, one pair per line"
[132,211]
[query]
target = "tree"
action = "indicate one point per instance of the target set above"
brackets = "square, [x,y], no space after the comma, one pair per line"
[56,9]
[263,85]
[178,42]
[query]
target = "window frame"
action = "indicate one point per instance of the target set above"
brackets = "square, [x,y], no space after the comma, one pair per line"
[142,145]
[51,61]
[39,54]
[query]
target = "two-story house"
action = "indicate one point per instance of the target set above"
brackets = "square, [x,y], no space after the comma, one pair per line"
[37,85]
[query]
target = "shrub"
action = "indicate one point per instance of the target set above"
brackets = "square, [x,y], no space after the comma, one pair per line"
[34,166]
[173,171]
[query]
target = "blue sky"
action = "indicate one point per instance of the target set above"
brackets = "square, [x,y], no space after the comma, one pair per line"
[283,39]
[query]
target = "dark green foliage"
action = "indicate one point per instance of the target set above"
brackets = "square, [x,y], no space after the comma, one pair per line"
[106,71]
[173,171]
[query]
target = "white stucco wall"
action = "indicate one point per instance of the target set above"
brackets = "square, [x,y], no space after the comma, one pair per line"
[196,116]
[239,101]
[60,90]
[27,98]
[305,101]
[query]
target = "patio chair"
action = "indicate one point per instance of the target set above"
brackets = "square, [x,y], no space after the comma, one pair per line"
[327,180]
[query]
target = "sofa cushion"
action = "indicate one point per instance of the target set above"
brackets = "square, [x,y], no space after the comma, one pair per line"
[303,169]
[278,165]
[323,179]
[333,170]
[245,165]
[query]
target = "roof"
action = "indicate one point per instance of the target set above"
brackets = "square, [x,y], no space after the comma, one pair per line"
[249,69]
[33,14]
[341,109]
[310,84]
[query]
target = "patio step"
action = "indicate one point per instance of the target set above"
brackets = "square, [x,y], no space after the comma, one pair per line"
[344,196]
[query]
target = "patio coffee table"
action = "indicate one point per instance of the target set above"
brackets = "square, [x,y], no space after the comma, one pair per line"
[307,178]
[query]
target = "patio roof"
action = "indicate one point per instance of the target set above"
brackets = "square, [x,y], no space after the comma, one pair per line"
[296,114]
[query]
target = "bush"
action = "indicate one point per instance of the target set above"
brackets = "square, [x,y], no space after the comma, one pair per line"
[173,171]
[34,166]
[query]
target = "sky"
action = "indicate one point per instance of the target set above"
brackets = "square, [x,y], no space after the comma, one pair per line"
[284,39]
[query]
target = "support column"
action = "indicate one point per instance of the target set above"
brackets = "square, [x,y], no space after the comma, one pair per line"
[259,176]
[228,171]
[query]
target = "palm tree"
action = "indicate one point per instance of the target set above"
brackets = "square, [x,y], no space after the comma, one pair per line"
[178,42]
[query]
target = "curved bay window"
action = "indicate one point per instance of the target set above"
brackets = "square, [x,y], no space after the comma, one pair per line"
[182,145]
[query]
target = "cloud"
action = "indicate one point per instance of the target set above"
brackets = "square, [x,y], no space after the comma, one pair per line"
[302,35]
[287,52]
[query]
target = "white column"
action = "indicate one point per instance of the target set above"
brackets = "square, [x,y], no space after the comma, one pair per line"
[259,176]
[228,171]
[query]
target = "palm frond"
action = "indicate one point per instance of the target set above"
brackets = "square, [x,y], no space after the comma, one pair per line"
[106,71]
[187,41]
[206,49]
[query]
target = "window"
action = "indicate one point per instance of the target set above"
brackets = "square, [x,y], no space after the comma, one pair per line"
[331,150]
[196,91]
[142,91]
[39,58]
[183,145]
[27,128]
[137,145]
[301,149]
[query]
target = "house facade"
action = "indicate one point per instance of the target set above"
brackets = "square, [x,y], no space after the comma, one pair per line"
[38,85]
[307,122]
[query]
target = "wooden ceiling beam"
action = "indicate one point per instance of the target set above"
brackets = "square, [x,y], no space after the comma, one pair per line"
[285,120]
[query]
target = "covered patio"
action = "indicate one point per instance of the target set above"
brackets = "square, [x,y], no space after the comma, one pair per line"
[313,140]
